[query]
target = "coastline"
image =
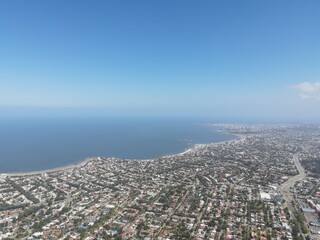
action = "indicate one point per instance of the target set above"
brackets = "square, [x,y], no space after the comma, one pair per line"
[89,159]
[50,170]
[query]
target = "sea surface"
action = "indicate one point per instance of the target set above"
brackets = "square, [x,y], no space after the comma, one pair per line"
[38,144]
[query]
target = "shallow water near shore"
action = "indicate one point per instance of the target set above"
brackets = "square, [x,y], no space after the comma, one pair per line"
[38,144]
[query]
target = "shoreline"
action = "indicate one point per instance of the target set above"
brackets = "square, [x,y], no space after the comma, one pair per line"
[89,159]
[50,170]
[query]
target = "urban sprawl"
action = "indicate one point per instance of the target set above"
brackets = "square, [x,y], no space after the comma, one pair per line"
[265,184]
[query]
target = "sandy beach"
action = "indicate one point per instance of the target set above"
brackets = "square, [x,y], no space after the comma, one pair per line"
[57,169]
[84,162]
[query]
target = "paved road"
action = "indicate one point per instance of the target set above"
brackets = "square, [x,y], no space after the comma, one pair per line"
[171,214]
[285,187]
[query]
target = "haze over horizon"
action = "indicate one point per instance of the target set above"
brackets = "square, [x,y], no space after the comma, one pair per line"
[209,59]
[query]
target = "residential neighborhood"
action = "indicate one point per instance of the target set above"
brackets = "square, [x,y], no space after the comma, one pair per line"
[261,185]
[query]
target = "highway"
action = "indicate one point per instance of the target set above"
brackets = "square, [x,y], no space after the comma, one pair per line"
[285,187]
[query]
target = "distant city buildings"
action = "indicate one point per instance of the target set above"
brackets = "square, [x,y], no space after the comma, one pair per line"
[232,190]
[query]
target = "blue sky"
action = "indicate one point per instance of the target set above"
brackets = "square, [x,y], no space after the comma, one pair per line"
[217,59]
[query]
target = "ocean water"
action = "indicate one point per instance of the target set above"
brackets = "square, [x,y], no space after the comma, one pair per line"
[38,144]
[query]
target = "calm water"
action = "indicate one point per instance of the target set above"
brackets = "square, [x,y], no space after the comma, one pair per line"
[27,145]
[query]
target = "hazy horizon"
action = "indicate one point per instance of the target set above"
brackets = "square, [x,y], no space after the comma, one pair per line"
[248,60]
